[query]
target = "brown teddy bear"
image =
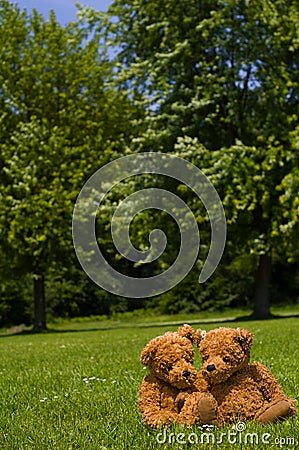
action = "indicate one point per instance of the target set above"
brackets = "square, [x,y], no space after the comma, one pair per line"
[174,391]
[243,391]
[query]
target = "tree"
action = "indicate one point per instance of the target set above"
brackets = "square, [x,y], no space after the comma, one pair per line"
[259,191]
[60,120]
[206,69]
[222,75]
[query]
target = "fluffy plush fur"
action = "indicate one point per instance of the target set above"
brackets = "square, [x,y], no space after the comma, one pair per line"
[242,390]
[174,391]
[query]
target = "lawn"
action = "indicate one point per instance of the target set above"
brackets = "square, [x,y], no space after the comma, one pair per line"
[79,390]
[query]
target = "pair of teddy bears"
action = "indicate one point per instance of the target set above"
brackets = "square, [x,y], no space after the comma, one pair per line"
[226,388]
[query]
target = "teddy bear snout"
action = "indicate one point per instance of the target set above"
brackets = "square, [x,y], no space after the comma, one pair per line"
[211,367]
[186,373]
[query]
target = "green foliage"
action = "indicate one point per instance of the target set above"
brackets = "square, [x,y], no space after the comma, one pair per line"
[258,188]
[15,301]
[60,120]
[213,82]
[207,69]
[62,133]
[219,81]
[261,206]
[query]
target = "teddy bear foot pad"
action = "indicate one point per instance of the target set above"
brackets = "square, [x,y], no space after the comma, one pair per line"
[277,411]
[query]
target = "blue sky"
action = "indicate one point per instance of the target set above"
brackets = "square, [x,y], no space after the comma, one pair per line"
[65,10]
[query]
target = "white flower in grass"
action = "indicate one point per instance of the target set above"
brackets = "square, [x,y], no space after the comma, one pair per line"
[43,399]
[56,396]
[113,381]
[93,378]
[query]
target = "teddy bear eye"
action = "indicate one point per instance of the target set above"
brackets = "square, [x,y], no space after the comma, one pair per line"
[226,359]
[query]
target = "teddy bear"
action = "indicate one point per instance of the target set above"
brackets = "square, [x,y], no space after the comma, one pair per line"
[174,391]
[243,391]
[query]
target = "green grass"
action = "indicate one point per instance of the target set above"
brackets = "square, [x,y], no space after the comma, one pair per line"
[79,390]
[143,318]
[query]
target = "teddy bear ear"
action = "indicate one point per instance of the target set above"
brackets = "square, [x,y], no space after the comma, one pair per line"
[198,336]
[186,331]
[148,352]
[245,338]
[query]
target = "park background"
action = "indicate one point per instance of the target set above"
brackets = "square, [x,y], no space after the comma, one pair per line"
[215,83]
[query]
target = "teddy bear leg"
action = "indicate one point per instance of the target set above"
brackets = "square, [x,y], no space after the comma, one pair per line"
[207,409]
[279,409]
[199,408]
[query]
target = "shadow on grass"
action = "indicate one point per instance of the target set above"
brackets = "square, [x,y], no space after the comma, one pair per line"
[116,326]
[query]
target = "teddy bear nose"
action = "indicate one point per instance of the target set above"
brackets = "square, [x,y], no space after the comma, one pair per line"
[186,373]
[211,367]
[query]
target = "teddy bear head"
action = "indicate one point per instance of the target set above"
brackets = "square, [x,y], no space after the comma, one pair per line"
[170,357]
[223,351]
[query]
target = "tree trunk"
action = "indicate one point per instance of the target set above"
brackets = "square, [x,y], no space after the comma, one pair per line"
[39,303]
[262,298]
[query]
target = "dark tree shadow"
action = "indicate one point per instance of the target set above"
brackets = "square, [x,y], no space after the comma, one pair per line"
[117,326]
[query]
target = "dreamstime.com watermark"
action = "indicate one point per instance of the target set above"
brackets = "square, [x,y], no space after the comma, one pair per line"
[91,200]
[237,435]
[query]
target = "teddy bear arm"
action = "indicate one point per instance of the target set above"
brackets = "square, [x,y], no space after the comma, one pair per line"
[268,385]
[200,386]
[150,404]
[180,399]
